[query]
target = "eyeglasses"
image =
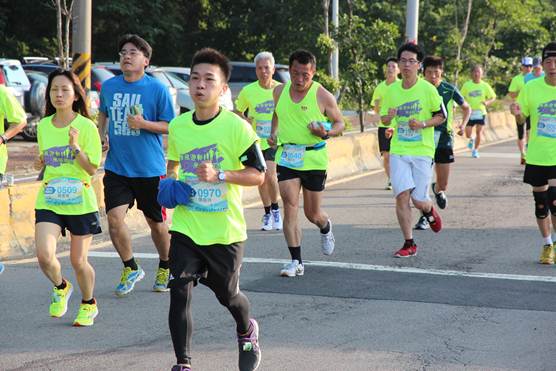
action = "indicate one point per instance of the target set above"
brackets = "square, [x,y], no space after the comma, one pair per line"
[132,53]
[408,61]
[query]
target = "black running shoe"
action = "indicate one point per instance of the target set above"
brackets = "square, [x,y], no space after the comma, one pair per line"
[249,348]
[422,224]
[441,199]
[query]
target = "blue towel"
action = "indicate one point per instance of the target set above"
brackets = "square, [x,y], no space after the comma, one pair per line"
[172,193]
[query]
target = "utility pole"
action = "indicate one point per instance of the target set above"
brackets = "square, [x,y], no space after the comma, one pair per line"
[412,21]
[335,24]
[81,42]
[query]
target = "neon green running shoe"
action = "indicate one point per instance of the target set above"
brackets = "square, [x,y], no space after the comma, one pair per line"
[59,300]
[86,315]
[547,255]
[161,281]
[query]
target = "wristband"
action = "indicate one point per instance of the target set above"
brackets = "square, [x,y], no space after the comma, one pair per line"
[4,138]
[326,136]
[76,151]
[424,124]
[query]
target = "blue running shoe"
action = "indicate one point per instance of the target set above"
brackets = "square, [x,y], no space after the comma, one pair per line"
[1,268]
[471,143]
[128,280]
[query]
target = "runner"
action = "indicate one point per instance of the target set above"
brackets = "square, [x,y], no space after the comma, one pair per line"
[412,107]
[536,72]
[256,99]
[215,152]
[12,112]
[70,151]
[433,68]
[537,101]
[517,84]
[479,95]
[135,110]
[306,115]
[392,72]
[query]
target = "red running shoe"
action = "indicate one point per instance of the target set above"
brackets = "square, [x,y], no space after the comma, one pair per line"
[435,221]
[406,251]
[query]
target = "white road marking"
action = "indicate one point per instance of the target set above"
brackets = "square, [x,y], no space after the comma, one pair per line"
[363,267]
[497,155]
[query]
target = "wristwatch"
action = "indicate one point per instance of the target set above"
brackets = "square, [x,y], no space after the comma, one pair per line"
[326,136]
[221,176]
[4,139]
[76,151]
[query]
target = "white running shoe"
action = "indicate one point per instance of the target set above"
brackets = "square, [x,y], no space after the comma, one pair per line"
[277,222]
[292,269]
[327,241]
[267,222]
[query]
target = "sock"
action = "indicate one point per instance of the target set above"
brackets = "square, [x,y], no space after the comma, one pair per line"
[326,228]
[409,242]
[295,252]
[548,240]
[62,285]
[132,264]
[274,206]
[164,264]
[91,302]
[267,209]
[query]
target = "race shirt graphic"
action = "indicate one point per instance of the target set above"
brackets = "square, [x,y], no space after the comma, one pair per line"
[546,126]
[122,105]
[404,113]
[56,156]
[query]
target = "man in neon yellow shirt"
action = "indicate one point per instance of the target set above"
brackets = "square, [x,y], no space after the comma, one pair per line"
[10,110]
[412,107]
[215,152]
[516,85]
[479,94]
[305,115]
[256,99]
[537,101]
[392,72]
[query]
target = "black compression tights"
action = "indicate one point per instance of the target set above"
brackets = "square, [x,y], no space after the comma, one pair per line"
[181,324]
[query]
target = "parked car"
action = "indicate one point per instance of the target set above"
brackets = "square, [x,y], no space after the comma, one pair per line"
[182,74]
[244,73]
[99,74]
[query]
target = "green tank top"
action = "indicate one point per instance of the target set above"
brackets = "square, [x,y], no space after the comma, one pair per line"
[300,149]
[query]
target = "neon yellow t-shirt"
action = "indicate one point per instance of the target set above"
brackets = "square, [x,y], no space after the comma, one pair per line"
[517,83]
[66,188]
[378,94]
[418,102]
[475,95]
[215,215]
[538,102]
[260,103]
[294,134]
[11,110]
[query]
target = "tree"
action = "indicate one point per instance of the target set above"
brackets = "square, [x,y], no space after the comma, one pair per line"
[63,21]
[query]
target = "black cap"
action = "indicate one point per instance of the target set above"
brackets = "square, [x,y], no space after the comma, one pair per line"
[549,51]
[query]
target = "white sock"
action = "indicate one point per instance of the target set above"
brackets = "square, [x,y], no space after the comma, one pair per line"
[548,240]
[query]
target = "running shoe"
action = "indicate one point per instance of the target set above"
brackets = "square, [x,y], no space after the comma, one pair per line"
[441,199]
[388,186]
[267,222]
[181,368]
[435,222]
[277,222]
[128,280]
[547,255]
[86,315]
[475,153]
[471,143]
[406,251]
[422,224]
[249,348]
[1,268]
[327,241]
[292,269]
[59,300]
[161,280]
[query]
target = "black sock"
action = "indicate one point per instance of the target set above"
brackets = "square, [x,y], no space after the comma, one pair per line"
[410,242]
[267,209]
[62,285]
[274,206]
[326,228]
[131,263]
[91,302]
[427,214]
[295,252]
[164,264]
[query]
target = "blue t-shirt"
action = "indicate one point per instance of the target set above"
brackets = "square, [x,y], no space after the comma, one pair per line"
[135,153]
[530,76]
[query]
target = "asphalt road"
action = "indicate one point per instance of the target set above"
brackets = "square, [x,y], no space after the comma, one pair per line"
[474,298]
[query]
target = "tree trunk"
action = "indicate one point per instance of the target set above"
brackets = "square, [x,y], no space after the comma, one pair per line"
[361,124]
[59,28]
[463,36]
[68,22]
[326,14]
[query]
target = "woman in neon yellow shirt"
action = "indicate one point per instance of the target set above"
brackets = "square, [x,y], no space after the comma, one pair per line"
[70,151]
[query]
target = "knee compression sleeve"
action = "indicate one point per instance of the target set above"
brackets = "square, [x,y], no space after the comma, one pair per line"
[541,204]
[552,199]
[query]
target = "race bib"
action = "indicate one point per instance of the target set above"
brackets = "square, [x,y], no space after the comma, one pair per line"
[437,134]
[208,197]
[476,114]
[292,156]
[64,191]
[263,128]
[406,134]
[546,127]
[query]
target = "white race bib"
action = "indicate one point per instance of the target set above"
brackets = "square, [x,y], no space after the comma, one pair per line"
[406,134]
[208,197]
[293,156]
[546,127]
[476,114]
[263,128]
[64,191]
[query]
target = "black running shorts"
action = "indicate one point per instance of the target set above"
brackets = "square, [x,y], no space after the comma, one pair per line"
[311,180]
[269,154]
[78,225]
[444,155]
[383,142]
[538,176]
